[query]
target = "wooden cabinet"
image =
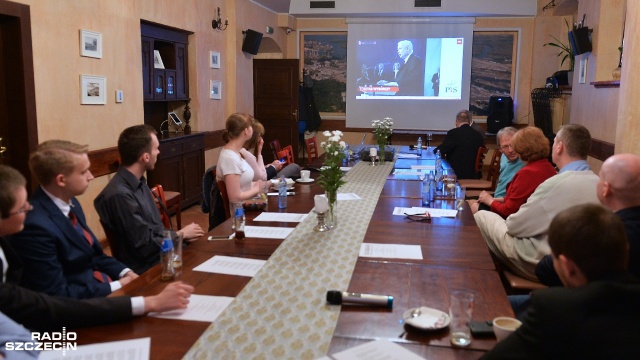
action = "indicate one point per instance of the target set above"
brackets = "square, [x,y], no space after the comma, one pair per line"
[172,82]
[180,166]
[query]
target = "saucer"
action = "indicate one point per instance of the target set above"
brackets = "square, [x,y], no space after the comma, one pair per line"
[305,181]
[429,319]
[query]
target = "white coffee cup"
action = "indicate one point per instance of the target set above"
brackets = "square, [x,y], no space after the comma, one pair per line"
[305,174]
[503,326]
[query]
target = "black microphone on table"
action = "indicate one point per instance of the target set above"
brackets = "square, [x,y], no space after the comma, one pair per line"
[335,297]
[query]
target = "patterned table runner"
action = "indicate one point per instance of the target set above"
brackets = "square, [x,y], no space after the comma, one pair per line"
[282,312]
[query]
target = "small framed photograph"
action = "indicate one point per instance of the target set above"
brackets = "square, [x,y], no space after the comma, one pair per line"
[157,60]
[93,90]
[582,75]
[215,89]
[214,59]
[90,44]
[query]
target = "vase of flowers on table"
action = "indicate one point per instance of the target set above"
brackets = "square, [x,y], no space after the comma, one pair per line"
[331,175]
[382,129]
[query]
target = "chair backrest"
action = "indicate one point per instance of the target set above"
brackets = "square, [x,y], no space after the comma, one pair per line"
[494,169]
[312,149]
[225,197]
[158,194]
[287,152]
[275,148]
[111,239]
[480,160]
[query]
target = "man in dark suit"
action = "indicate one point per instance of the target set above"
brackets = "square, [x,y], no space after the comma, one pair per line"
[619,190]
[41,312]
[60,254]
[460,147]
[410,76]
[595,316]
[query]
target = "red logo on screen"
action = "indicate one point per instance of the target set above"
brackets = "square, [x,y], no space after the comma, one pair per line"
[459,41]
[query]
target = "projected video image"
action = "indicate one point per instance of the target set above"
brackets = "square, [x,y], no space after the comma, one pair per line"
[410,68]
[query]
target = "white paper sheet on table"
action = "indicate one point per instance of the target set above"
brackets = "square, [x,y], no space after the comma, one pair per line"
[135,349]
[423,167]
[376,350]
[348,196]
[267,232]
[231,266]
[281,217]
[201,308]
[391,251]
[403,211]
[408,172]
[407,156]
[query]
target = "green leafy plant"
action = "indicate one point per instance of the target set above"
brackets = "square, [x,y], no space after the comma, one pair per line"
[565,50]
[331,175]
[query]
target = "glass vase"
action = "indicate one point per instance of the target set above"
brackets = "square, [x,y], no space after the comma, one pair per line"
[382,144]
[331,218]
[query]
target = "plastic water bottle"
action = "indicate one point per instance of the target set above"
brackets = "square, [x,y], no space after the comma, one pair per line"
[166,257]
[239,222]
[282,193]
[419,145]
[426,189]
[439,175]
[432,187]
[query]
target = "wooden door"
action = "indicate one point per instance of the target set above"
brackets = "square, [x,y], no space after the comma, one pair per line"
[18,123]
[275,89]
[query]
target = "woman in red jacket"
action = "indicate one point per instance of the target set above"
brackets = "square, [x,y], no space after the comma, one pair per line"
[533,148]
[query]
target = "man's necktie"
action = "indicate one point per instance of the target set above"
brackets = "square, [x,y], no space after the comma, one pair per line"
[100,276]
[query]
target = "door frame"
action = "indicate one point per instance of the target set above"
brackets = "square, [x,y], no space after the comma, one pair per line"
[17,96]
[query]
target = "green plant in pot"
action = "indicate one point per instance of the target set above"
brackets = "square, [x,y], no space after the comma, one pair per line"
[565,49]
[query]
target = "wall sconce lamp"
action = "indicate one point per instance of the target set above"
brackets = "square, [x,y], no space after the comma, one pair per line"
[217,23]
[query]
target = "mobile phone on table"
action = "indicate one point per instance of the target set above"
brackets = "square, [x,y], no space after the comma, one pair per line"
[481,328]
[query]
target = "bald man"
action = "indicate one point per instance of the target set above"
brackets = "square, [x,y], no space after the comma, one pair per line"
[618,189]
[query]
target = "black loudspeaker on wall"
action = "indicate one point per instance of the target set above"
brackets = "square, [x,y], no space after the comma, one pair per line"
[579,39]
[251,42]
[500,113]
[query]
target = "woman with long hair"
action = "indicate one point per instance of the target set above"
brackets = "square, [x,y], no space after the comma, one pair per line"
[252,153]
[232,168]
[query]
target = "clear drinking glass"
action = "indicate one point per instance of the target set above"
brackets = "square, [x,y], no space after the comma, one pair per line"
[460,197]
[461,312]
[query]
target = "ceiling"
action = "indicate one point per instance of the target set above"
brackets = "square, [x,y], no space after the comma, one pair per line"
[279,6]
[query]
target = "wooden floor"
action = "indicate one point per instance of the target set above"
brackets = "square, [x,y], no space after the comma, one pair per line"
[194,214]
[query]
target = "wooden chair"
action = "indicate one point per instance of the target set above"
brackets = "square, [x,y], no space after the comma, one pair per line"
[170,203]
[312,149]
[111,240]
[225,198]
[275,148]
[475,186]
[287,153]
[518,283]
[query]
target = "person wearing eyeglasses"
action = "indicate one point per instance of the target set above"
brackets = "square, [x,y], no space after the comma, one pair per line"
[520,240]
[37,311]
[510,162]
[60,254]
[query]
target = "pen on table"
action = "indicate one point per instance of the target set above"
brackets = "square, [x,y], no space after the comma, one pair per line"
[276,194]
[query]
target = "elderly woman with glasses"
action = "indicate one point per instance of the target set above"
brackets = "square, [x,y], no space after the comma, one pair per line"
[533,148]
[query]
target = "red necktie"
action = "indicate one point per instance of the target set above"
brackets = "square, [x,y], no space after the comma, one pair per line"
[100,276]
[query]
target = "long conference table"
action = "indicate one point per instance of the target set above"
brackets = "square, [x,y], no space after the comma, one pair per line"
[282,313]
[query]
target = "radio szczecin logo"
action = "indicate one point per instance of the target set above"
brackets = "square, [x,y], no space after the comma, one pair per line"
[46,341]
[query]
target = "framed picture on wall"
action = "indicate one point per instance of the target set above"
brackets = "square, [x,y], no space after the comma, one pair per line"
[214,59]
[215,89]
[493,68]
[90,44]
[323,56]
[93,90]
